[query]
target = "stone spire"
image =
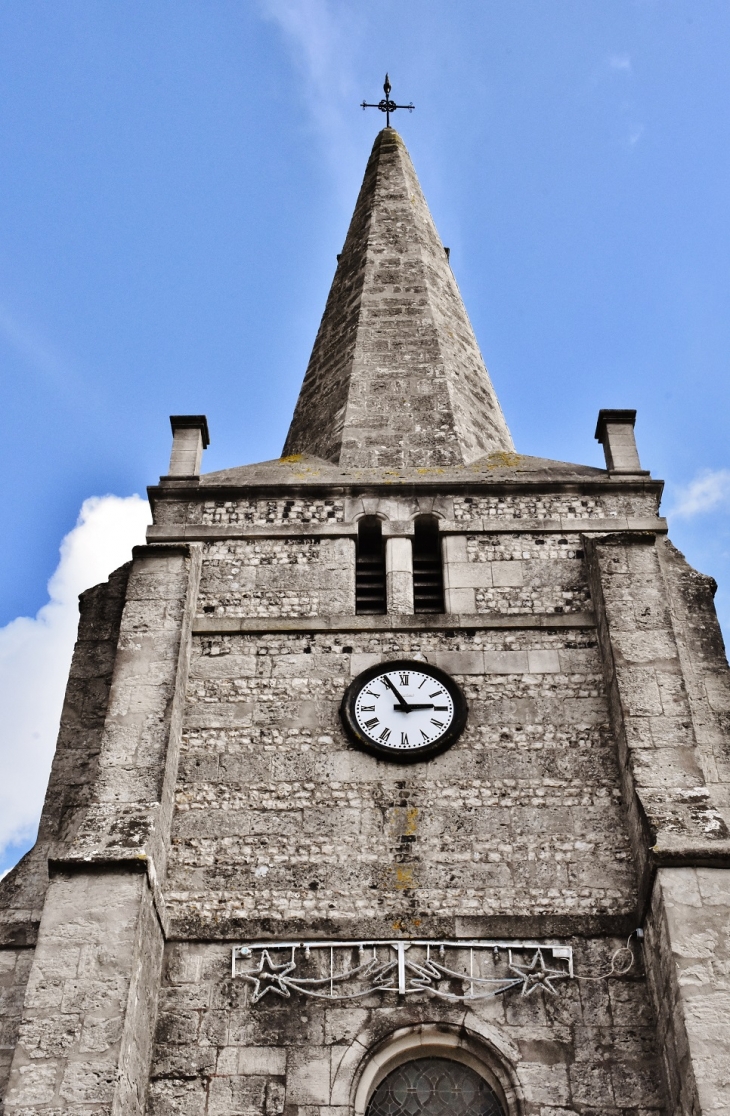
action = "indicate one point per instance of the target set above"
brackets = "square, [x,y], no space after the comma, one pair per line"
[395,378]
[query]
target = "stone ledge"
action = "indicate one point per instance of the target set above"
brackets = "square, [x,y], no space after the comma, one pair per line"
[222,625]
[552,924]
[162,548]
[119,860]
[442,483]
[690,853]
[202,532]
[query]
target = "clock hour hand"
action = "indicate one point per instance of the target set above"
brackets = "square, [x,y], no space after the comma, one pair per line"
[403,704]
[410,708]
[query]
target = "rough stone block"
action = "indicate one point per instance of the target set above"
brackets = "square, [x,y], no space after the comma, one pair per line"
[507,573]
[363,661]
[543,662]
[460,601]
[458,662]
[265,1061]
[468,575]
[308,1079]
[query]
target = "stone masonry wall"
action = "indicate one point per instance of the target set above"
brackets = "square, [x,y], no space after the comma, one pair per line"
[280,818]
[15,967]
[671,809]
[704,667]
[259,513]
[589,1049]
[279,511]
[514,574]
[549,505]
[278,577]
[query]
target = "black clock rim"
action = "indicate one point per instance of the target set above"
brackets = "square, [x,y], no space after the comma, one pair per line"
[395,755]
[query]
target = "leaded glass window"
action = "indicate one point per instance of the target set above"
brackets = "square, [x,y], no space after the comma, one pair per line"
[434,1087]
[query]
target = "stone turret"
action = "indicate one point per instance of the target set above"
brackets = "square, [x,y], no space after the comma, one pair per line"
[396,377]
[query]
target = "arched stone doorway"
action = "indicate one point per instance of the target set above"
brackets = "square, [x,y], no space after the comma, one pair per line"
[482,1050]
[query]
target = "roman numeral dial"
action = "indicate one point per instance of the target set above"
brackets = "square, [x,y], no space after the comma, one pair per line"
[404,710]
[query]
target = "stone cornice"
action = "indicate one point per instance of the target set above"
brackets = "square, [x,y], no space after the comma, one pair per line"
[202,532]
[227,625]
[440,485]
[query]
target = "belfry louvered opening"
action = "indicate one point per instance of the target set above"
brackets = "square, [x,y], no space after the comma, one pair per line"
[370,568]
[428,575]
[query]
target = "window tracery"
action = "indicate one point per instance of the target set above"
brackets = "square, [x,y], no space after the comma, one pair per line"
[434,1087]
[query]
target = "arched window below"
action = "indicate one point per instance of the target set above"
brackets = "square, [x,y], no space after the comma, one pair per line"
[428,575]
[370,568]
[434,1087]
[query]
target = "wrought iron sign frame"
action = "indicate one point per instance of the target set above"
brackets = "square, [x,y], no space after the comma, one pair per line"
[399,974]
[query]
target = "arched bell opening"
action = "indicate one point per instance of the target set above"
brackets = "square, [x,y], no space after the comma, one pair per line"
[370,591]
[428,571]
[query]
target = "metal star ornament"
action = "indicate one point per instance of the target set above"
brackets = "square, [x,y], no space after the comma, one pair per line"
[268,978]
[537,975]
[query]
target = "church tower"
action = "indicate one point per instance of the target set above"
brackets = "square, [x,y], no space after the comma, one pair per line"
[393,776]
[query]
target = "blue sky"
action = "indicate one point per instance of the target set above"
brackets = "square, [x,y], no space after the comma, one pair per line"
[178,178]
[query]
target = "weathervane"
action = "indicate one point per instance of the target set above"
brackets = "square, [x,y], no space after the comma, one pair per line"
[386,105]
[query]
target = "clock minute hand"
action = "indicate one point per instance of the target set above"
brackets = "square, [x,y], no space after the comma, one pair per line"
[403,704]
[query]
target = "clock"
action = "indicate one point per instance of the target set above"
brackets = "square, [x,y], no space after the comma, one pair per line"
[403,710]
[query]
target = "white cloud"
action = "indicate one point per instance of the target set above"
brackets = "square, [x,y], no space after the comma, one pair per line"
[310,27]
[709,490]
[619,62]
[34,350]
[636,131]
[35,655]
[319,34]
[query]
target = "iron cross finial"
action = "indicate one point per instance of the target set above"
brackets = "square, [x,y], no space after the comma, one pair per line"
[386,105]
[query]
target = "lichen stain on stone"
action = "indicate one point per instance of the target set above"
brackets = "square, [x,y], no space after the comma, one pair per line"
[403,877]
[404,821]
[406,926]
[502,460]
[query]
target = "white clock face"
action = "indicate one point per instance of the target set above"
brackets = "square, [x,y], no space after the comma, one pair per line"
[403,709]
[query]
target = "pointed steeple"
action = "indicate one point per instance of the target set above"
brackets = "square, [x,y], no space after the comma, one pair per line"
[396,378]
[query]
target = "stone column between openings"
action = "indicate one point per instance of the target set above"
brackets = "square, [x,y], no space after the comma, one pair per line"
[399,576]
